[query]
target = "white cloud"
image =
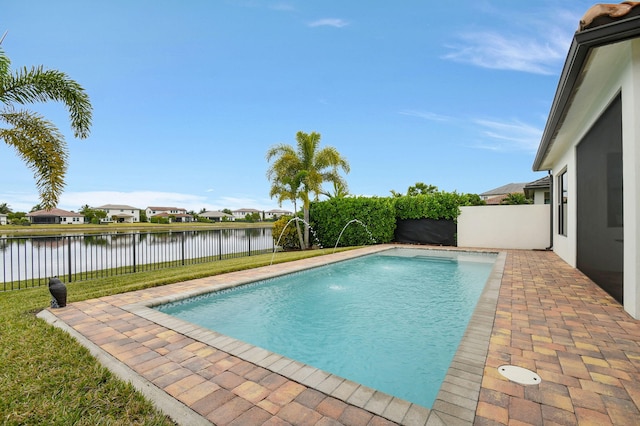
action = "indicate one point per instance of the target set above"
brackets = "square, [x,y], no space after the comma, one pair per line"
[329,22]
[497,51]
[19,201]
[509,136]
[537,46]
[426,115]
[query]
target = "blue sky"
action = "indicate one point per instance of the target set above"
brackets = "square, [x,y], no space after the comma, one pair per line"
[189,96]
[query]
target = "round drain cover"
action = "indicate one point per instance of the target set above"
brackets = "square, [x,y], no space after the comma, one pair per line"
[519,375]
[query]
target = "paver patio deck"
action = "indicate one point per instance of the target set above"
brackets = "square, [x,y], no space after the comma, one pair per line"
[546,316]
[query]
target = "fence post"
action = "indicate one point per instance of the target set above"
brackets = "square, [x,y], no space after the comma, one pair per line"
[69,255]
[133,250]
[249,243]
[182,247]
[219,244]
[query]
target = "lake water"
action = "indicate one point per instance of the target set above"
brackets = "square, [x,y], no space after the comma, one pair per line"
[40,257]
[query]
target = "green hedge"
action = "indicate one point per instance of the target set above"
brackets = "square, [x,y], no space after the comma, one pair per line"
[437,206]
[329,218]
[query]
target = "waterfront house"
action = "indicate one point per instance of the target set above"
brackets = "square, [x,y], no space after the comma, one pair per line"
[242,213]
[54,217]
[175,214]
[120,213]
[276,213]
[217,216]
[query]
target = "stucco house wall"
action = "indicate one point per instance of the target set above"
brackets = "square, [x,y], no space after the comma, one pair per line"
[505,227]
[602,64]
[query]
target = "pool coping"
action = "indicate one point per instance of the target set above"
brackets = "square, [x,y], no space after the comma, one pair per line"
[455,403]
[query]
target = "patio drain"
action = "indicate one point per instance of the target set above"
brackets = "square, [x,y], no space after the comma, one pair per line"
[519,375]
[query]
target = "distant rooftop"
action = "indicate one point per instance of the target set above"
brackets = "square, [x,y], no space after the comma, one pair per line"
[509,188]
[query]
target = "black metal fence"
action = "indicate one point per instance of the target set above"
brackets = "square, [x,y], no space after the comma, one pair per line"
[31,261]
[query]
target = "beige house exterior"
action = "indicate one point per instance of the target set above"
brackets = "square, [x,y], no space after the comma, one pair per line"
[172,213]
[120,213]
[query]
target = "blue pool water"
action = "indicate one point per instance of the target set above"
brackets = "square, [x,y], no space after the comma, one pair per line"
[391,321]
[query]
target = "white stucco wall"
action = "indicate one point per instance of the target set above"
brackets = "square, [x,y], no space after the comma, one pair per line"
[72,220]
[617,71]
[538,196]
[631,179]
[565,246]
[506,227]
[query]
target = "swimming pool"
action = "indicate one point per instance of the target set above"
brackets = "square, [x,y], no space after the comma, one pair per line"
[401,342]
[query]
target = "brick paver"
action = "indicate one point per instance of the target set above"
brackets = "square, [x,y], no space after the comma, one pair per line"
[552,319]
[549,318]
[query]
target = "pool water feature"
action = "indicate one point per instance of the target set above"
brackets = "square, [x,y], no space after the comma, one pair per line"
[390,321]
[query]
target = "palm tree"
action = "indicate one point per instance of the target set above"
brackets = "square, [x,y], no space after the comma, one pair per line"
[298,173]
[516,198]
[37,141]
[285,184]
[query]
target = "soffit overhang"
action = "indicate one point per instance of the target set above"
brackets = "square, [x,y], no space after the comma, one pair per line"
[591,52]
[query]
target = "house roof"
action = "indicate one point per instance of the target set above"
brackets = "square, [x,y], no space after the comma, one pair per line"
[495,200]
[164,208]
[602,25]
[215,214]
[247,210]
[117,206]
[542,183]
[509,188]
[54,212]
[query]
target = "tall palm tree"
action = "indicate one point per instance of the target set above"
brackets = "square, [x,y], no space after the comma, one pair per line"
[302,170]
[38,142]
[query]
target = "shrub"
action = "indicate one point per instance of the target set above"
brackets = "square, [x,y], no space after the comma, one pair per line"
[289,238]
[439,205]
[329,218]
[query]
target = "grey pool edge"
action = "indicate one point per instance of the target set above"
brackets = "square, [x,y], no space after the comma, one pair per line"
[455,402]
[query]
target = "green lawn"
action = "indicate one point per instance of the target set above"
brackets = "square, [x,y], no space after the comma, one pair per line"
[46,377]
[33,230]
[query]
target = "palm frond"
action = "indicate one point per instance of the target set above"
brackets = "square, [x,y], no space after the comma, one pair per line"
[38,85]
[5,66]
[42,147]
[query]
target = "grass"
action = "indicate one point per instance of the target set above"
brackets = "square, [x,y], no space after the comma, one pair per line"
[38,230]
[46,377]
